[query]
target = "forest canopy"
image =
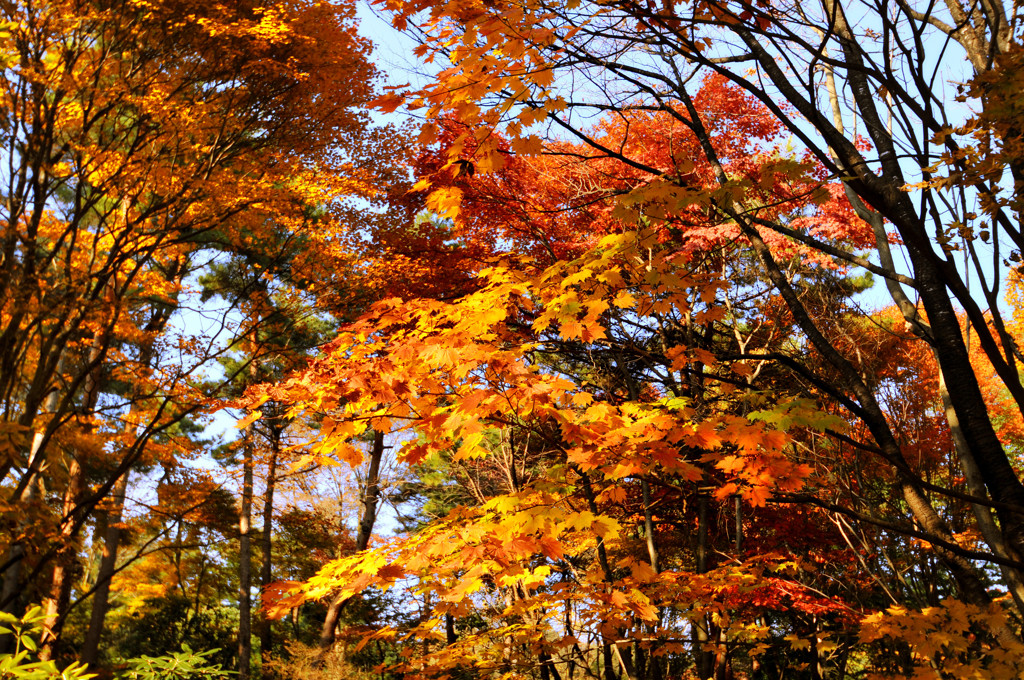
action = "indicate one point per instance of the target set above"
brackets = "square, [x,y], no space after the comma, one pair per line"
[630,341]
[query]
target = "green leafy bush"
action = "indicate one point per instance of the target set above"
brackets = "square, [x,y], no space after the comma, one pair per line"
[182,665]
[23,665]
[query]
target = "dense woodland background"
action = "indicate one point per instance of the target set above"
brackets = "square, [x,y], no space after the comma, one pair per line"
[629,341]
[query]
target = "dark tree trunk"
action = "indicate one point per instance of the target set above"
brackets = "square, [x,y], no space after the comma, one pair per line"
[266,568]
[371,494]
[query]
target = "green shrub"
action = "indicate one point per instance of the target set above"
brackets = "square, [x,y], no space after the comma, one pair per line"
[182,665]
[22,664]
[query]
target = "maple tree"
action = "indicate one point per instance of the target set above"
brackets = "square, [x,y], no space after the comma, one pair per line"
[619,409]
[536,334]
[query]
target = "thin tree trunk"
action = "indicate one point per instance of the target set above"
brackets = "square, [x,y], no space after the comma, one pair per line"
[371,494]
[266,567]
[245,540]
[705,660]
[739,525]
[609,652]
[449,631]
[59,594]
[722,670]
[608,662]
[101,598]
[245,563]
[648,664]
[652,547]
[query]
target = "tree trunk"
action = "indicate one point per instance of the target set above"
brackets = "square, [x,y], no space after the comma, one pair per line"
[101,598]
[245,563]
[266,567]
[608,662]
[705,660]
[59,593]
[647,664]
[371,494]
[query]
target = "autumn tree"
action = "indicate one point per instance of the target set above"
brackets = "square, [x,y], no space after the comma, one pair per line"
[586,396]
[141,141]
[862,100]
